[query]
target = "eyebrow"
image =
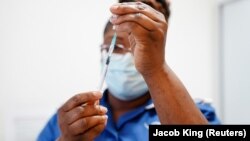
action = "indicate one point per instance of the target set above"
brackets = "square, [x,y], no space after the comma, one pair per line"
[118,37]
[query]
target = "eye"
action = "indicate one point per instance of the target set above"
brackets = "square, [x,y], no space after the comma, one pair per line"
[119,48]
[104,47]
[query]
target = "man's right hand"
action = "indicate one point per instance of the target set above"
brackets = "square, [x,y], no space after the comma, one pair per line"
[80,119]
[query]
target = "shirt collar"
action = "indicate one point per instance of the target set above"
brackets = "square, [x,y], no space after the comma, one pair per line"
[148,106]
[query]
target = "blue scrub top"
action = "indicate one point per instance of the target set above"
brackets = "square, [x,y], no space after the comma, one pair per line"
[131,126]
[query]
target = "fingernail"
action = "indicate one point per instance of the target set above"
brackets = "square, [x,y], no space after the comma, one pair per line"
[105,117]
[115,7]
[104,109]
[113,18]
[96,93]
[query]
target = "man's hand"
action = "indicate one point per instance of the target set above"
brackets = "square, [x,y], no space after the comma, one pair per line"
[147,30]
[80,119]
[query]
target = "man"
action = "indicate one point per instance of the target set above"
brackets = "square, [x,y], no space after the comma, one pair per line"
[142,89]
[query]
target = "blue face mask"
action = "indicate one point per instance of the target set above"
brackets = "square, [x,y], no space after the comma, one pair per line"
[123,80]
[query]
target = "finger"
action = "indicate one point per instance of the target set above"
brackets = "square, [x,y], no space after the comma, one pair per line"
[84,124]
[132,42]
[138,18]
[84,111]
[132,28]
[97,102]
[80,99]
[94,132]
[137,7]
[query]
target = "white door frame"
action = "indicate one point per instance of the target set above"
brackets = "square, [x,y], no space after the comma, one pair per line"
[222,4]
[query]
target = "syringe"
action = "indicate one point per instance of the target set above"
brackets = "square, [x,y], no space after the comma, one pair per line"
[107,61]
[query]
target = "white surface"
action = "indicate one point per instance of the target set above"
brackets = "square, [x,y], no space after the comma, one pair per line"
[192,46]
[225,1]
[236,78]
[49,52]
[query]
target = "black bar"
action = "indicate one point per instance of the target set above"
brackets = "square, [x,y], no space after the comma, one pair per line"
[199,132]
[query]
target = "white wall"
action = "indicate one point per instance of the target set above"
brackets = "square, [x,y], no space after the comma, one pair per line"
[49,52]
[192,47]
[235,65]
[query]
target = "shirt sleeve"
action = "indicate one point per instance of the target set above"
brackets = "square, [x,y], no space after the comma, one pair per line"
[209,112]
[51,131]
